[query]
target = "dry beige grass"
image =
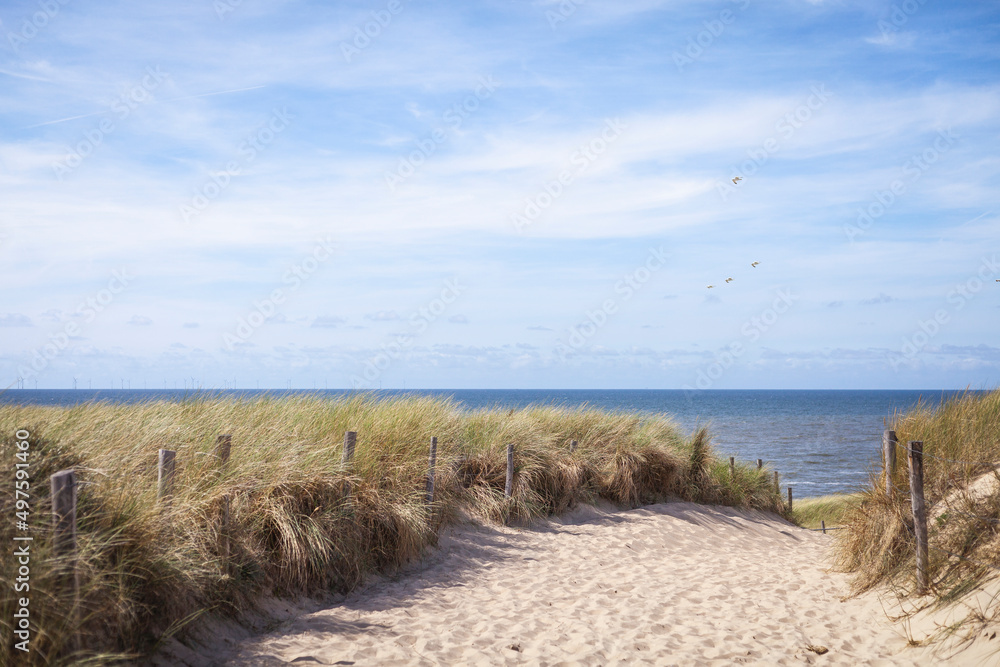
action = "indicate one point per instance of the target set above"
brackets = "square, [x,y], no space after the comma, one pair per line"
[149,569]
[961,452]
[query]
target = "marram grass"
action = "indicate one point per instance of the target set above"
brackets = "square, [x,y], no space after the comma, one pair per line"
[811,512]
[961,444]
[146,569]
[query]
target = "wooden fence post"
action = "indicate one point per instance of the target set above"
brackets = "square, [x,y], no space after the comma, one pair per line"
[223,446]
[572,446]
[777,486]
[165,474]
[889,459]
[509,487]
[63,490]
[789,499]
[760,463]
[822,524]
[916,457]
[350,440]
[430,470]
[732,467]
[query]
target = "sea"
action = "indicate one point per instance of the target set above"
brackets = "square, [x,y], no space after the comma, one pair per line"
[820,441]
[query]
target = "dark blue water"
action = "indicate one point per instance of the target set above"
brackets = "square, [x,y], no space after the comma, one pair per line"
[821,441]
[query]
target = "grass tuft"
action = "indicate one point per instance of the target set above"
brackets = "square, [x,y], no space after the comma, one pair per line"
[832,509]
[962,489]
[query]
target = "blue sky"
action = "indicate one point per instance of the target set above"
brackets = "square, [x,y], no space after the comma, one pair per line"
[500,194]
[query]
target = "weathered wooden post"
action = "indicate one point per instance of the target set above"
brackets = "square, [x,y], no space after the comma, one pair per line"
[777,486]
[223,447]
[509,487]
[165,475]
[350,440]
[760,463]
[732,467]
[889,459]
[789,499]
[822,524]
[430,470]
[916,458]
[572,446]
[63,489]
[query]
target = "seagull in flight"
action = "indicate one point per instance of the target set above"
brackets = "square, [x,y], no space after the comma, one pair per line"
[711,286]
[737,180]
[729,280]
[754,265]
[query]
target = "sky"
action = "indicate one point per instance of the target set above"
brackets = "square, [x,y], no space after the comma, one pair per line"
[500,194]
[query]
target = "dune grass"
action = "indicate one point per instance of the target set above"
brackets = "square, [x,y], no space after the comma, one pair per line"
[809,512]
[146,568]
[962,488]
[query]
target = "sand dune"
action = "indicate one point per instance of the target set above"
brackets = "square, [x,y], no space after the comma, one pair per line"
[670,584]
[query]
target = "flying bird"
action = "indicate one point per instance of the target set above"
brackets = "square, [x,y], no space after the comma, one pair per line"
[711,286]
[737,179]
[754,265]
[729,280]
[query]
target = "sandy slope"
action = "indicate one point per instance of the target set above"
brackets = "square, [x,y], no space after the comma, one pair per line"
[671,584]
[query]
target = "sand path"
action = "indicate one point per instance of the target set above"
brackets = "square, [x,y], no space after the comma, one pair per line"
[669,584]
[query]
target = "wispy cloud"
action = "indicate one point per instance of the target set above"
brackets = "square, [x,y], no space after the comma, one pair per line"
[328,322]
[881,298]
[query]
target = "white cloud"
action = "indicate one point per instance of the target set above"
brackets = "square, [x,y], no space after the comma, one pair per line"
[328,321]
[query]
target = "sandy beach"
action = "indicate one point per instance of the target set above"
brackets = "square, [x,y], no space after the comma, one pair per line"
[669,584]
